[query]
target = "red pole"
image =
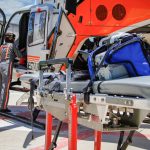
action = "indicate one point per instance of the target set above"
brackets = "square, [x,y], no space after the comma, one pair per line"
[72,137]
[98,140]
[48,131]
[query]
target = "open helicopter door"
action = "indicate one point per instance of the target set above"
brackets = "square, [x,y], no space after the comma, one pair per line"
[37,34]
[2,25]
[64,37]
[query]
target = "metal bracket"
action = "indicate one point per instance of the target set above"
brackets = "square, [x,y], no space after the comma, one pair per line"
[44,65]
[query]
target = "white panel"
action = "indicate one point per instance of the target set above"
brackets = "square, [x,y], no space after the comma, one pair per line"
[66,39]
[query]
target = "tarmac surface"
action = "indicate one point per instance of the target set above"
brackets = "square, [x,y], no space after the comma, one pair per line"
[18,136]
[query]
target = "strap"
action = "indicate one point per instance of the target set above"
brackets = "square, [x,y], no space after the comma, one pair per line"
[56,87]
[99,87]
[120,140]
[99,67]
[128,140]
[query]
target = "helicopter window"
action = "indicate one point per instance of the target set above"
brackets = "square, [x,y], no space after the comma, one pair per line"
[36,30]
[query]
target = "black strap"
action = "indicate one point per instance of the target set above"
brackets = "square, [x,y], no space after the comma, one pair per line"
[120,140]
[99,87]
[88,88]
[54,141]
[55,88]
[128,140]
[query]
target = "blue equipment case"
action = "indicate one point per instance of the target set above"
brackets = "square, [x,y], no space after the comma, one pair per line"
[129,53]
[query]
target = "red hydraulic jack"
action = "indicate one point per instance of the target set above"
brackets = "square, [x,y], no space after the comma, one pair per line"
[73,125]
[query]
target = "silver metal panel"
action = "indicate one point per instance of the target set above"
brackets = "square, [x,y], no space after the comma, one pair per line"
[138,103]
[66,39]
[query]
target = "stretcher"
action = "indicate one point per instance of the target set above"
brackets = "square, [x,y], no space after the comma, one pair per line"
[115,105]
[109,106]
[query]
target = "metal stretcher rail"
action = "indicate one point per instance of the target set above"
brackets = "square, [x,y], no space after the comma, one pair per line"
[122,101]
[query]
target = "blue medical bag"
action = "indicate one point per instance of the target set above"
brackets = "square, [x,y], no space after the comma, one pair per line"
[130,53]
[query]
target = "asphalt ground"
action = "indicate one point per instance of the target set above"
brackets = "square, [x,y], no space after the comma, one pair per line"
[15,135]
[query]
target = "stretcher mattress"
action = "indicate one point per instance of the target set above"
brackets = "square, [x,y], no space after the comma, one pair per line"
[137,86]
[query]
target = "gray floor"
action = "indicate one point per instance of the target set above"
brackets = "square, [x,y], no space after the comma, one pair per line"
[17,136]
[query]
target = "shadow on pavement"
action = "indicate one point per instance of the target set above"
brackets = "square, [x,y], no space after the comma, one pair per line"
[29,138]
[139,140]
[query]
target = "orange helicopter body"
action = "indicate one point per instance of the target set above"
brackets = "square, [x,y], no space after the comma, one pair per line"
[101,18]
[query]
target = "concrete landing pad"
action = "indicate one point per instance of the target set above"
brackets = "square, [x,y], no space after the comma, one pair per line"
[17,136]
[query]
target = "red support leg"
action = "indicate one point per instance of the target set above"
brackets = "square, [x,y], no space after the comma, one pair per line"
[48,131]
[72,137]
[98,140]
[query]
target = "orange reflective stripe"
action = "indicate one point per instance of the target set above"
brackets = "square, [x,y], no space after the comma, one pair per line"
[33,58]
[7,52]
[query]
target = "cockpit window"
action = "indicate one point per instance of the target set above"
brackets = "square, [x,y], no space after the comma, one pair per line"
[36,30]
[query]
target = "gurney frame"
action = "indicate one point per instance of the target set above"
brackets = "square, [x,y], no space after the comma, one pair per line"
[100,114]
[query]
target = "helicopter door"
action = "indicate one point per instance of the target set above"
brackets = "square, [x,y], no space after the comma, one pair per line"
[37,35]
[2,25]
